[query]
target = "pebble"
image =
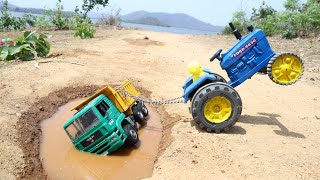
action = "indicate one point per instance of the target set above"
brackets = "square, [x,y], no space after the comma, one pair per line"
[17,106]
[194,162]
[317,116]
[18,114]
[312,79]
[303,117]
[284,142]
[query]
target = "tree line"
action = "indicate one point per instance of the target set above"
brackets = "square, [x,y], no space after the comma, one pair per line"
[297,20]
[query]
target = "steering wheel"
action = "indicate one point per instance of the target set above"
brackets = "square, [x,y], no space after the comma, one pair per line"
[216,55]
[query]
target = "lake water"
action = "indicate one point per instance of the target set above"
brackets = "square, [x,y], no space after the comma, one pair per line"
[174,30]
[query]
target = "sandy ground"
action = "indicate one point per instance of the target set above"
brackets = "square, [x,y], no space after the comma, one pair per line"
[277,136]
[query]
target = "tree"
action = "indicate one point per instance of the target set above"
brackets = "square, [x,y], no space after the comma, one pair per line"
[88,5]
[292,5]
[263,12]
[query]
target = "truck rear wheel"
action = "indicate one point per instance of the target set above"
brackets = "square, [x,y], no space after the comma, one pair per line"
[139,112]
[132,135]
[216,107]
[145,110]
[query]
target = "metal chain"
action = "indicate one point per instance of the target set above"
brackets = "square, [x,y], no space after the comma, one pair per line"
[124,93]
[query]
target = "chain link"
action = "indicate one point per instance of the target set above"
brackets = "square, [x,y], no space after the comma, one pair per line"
[178,100]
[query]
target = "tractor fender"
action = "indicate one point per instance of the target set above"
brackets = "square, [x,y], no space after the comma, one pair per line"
[191,88]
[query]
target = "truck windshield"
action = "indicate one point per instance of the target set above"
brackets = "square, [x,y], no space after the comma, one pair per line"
[83,124]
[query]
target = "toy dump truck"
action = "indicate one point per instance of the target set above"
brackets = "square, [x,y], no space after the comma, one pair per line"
[107,120]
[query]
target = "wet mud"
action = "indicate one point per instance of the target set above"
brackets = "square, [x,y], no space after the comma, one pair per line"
[62,161]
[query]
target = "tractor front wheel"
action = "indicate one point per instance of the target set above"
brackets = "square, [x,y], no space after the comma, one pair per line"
[216,107]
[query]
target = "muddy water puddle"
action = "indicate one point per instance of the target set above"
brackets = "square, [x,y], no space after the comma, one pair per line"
[62,161]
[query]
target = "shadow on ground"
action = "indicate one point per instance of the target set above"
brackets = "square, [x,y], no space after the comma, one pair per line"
[234,130]
[270,119]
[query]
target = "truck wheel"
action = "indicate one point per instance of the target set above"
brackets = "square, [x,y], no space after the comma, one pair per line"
[138,116]
[145,110]
[216,107]
[132,135]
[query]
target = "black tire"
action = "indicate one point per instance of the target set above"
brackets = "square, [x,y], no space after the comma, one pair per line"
[132,135]
[219,78]
[210,91]
[145,110]
[138,115]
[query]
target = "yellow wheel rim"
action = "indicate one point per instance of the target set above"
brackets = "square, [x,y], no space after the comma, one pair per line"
[287,69]
[217,109]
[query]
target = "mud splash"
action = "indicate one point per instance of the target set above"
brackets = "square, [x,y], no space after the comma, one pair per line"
[62,161]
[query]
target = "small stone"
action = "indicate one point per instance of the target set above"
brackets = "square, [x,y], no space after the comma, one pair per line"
[303,117]
[317,116]
[194,162]
[17,106]
[146,38]
[40,108]
[284,142]
[195,146]
[251,154]
[304,146]
[312,79]
[18,114]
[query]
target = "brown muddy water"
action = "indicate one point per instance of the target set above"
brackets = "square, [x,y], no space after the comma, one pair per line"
[62,161]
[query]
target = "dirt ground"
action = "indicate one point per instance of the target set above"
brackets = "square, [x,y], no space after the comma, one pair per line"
[277,136]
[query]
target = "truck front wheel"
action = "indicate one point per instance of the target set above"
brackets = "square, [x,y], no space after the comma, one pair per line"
[216,107]
[132,135]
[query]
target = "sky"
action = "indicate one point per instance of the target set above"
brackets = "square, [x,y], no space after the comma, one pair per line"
[216,12]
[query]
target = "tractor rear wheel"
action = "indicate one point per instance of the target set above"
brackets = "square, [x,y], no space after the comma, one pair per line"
[132,135]
[285,69]
[216,107]
[219,78]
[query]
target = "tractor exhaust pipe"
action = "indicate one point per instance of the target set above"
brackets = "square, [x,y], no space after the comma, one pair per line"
[235,31]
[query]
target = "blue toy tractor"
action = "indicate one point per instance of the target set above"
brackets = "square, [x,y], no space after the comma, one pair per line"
[215,104]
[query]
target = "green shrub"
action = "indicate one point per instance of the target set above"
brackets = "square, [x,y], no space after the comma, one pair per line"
[296,20]
[26,47]
[43,23]
[240,22]
[84,29]
[288,34]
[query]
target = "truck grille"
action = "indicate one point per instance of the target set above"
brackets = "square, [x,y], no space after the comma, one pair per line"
[93,138]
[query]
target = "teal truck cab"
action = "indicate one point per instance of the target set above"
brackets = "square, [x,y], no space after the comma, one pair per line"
[106,121]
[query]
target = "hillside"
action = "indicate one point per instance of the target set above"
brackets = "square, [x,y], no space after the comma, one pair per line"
[166,19]
[10,6]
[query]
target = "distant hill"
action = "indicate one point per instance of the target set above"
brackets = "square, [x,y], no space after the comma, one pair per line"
[10,6]
[165,19]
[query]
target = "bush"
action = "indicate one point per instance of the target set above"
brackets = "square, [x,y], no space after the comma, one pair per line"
[84,29]
[43,23]
[240,22]
[113,18]
[25,47]
[296,20]
[288,34]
